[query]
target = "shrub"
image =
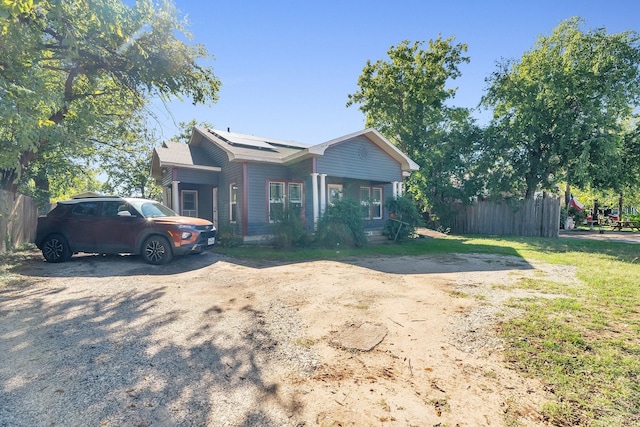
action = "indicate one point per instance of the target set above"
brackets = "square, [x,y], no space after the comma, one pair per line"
[288,228]
[342,225]
[403,219]
[229,236]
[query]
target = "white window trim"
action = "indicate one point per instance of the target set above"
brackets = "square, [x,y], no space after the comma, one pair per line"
[372,203]
[298,184]
[184,211]
[366,202]
[272,201]
[338,187]
[233,204]
[376,203]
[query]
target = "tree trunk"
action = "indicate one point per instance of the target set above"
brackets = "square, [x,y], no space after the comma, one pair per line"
[620,199]
[567,194]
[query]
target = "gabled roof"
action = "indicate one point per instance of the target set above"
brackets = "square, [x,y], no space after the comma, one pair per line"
[253,148]
[239,146]
[176,154]
[242,147]
[372,135]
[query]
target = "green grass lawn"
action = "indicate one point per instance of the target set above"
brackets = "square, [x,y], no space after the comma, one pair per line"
[583,344]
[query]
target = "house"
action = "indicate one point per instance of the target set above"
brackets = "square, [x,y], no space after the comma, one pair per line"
[237,179]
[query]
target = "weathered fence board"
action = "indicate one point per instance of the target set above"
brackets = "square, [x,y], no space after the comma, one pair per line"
[18,220]
[538,217]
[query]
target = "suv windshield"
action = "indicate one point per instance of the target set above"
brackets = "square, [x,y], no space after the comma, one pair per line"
[152,209]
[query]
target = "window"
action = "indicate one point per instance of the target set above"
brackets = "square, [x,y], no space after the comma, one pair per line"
[371,202]
[189,203]
[295,197]
[233,203]
[376,203]
[281,193]
[335,192]
[85,209]
[276,200]
[365,202]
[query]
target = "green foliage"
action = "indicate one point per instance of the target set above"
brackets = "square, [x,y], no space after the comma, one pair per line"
[229,236]
[403,219]
[288,228]
[186,129]
[407,99]
[74,71]
[342,225]
[126,161]
[562,112]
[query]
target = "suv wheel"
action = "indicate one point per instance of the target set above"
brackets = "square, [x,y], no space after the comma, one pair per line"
[156,250]
[56,249]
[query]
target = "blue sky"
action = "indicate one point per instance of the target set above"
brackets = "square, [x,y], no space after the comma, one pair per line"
[287,66]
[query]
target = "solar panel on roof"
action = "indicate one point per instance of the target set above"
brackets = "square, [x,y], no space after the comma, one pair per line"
[250,142]
[242,140]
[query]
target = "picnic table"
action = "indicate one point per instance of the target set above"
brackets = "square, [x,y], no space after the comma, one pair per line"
[619,225]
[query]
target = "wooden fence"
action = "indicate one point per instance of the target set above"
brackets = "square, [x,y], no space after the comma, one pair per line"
[18,220]
[538,217]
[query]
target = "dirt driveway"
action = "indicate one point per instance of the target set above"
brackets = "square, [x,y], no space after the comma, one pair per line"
[207,340]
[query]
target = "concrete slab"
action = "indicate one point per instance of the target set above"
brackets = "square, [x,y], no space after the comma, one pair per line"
[360,336]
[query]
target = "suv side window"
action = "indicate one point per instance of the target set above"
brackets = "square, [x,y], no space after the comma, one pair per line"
[111,209]
[85,209]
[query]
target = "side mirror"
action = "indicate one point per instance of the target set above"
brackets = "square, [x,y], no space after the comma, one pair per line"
[124,213]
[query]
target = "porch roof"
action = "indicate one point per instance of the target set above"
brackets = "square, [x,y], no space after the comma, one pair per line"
[176,154]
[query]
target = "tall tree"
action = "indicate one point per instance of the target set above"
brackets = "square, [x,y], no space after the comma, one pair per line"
[406,98]
[559,111]
[72,69]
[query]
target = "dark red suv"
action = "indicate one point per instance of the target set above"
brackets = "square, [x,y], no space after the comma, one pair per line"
[111,225]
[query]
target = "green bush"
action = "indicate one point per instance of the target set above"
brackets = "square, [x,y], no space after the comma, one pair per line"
[229,236]
[288,228]
[342,225]
[403,219]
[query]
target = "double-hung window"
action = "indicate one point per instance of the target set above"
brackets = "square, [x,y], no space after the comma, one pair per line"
[295,197]
[365,202]
[376,203]
[276,201]
[282,196]
[233,203]
[189,203]
[371,202]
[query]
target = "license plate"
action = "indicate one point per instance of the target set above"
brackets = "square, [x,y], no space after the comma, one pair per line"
[211,241]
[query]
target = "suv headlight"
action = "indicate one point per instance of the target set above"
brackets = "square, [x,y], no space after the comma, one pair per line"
[185,231]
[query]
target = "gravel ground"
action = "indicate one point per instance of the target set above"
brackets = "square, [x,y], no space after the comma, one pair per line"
[102,341]
[80,353]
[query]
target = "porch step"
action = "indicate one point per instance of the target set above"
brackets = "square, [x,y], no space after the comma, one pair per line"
[376,236]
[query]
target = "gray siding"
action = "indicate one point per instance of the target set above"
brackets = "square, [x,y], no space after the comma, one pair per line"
[194,176]
[232,174]
[359,158]
[167,177]
[259,174]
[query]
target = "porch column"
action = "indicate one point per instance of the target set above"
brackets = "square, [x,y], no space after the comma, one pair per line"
[314,192]
[323,193]
[175,196]
[400,188]
[394,188]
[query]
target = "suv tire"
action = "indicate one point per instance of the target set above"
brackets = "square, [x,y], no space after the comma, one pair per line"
[156,250]
[56,249]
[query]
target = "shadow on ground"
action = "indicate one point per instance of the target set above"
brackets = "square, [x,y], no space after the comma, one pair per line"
[91,265]
[113,360]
